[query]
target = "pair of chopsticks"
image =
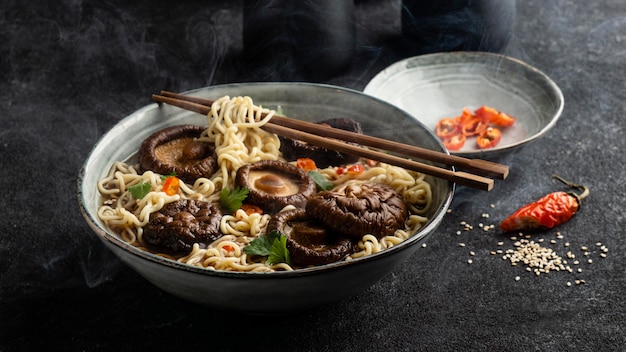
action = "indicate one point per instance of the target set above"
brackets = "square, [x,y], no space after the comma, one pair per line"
[335,139]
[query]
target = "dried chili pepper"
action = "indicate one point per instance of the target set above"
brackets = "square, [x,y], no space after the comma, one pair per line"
[549,211]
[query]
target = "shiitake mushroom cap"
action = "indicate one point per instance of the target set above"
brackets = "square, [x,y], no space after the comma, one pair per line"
[323,157]
[359,209]
[308,242]
[274,184]
[180,224]
[174,150]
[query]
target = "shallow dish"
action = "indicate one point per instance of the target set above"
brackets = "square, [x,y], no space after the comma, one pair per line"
[434,86]
[272,292]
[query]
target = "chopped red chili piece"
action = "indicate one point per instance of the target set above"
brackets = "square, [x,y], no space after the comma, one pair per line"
[495,117]
[448,127]
[489,138]
[171,185]
[306,164]
[456,142]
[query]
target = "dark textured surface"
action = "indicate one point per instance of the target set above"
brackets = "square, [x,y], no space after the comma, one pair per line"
[69,70]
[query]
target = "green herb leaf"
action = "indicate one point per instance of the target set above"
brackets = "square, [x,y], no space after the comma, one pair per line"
[321,181]
[272,245]
[279,252]
[140,190]
[232,200]
[262,245]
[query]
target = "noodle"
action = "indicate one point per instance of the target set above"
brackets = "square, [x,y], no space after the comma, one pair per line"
[234,127]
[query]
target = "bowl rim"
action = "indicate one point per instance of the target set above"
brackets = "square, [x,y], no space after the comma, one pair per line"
[110,238]
[455,57]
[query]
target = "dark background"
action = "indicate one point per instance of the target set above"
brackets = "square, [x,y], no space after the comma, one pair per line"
[70,70]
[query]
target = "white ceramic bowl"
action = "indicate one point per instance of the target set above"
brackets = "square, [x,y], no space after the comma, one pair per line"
[275,292]
[434,86]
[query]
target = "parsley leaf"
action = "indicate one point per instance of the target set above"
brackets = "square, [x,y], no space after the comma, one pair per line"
[279,252]
[272,245]
[232,200]
[140,190]
[262,245]
[321,181]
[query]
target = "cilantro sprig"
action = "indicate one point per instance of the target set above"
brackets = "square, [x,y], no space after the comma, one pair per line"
[272,245]
[232,200]
[140,190]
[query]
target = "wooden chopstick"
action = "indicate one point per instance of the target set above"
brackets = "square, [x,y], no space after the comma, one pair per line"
[328,137]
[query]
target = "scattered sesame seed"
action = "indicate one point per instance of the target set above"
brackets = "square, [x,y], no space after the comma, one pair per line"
[598,244]
[580,270]
[590,261]
[603,255]
[469,261]
[458,233]
[566,244]
[583,248]
[517,278]
[553,241]
[472,253]
[500,243]
[423,245]
[569,283]
[492,205]
[461,244]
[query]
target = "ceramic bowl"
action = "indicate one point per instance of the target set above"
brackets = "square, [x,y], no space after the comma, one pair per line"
[434,86]
[271,292]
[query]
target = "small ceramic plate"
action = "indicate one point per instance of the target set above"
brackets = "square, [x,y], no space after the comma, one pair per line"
[434,86]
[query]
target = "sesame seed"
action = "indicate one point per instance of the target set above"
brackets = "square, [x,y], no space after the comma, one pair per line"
[461,244]
[472,253]
[583,248]
[492,205]
[423,245]
[569,283]
[469,261]
[458,232]
[500,243]
[603,255]
[517,278]
[598,244]
[590,261]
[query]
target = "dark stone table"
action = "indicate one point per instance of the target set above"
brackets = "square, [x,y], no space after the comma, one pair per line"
[70,70]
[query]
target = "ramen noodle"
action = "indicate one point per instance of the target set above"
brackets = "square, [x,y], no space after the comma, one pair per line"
[234,127]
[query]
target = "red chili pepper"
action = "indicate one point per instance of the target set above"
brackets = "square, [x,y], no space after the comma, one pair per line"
[495,117]
[547,212]
[351,170]
[171,185]
[455,142]
[489,138]
[474,125]
[448,127]
[306,164]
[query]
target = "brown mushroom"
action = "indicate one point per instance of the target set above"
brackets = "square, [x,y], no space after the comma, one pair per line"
[308,242]
[175,150]
[274,184]
[323,157]
[180,224]
[355,210]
